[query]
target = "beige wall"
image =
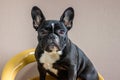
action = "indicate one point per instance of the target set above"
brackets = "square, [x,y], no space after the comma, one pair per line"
[96,31]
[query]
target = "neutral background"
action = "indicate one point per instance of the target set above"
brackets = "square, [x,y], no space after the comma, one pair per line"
[96,31]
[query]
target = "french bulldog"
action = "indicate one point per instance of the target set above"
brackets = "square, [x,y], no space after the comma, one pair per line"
[55,53]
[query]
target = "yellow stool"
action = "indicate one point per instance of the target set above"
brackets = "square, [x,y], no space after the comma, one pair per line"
[14,65]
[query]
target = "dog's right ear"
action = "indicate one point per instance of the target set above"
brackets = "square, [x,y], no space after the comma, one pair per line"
[37,17]
[67,17]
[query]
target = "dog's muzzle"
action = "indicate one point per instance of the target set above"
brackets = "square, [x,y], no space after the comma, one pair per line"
[52,43]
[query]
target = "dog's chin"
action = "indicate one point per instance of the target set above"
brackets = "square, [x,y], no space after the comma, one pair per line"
[51,48]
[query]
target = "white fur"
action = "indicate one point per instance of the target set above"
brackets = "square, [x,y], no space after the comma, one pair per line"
[53,25]
[48,58]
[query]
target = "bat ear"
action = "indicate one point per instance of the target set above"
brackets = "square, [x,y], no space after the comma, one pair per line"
[67,17]
[37,17]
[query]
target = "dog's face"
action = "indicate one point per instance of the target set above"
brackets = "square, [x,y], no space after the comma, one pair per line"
[52,34]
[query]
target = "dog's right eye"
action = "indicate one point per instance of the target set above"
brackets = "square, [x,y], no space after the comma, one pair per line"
[61,32]
[43,32]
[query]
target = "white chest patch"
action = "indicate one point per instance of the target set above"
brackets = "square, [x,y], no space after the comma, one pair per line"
[48,58]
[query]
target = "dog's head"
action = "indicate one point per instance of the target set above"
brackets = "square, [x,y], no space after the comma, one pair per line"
[52,34]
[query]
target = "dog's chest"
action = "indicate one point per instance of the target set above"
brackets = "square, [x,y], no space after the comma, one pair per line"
[48,58]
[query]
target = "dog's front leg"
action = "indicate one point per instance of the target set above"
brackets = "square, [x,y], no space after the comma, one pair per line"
[42,72]
[72,73]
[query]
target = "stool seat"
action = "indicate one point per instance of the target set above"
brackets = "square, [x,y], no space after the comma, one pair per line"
[16,63]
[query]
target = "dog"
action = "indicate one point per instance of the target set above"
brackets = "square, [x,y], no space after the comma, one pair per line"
[55,53]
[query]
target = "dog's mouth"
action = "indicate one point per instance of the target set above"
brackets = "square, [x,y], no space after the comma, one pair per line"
[52,47]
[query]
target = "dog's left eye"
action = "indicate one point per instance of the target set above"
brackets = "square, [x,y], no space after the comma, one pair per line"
[61,32]
[43,32]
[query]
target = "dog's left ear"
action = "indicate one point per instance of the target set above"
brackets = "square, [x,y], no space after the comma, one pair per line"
[67,17]
[37,17]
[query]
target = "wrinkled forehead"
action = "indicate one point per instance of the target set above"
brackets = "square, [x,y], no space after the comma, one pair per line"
[53,24]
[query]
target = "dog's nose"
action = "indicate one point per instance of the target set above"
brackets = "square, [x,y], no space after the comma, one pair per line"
[52,36]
